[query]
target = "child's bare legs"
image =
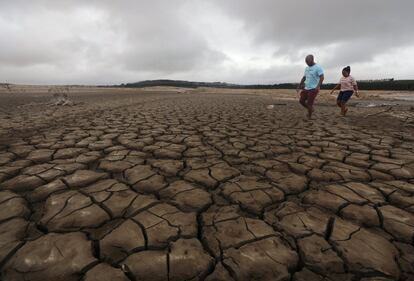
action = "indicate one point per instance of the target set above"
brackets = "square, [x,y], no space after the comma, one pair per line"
[342,100]
[344,109]
[338,103]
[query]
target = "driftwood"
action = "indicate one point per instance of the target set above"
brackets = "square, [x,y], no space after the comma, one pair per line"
[271,106]
[60,96]
[377,113]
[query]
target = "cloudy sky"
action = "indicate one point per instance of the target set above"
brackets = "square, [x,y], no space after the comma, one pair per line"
[238,41]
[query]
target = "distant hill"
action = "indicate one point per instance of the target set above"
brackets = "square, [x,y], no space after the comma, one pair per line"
[385,84]
[177,83]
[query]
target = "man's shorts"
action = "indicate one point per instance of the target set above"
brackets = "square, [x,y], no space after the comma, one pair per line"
[308,96]
[344,96]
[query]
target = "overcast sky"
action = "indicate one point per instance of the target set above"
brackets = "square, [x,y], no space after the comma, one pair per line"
[238,41]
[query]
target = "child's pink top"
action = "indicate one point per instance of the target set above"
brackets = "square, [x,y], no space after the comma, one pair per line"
[347,83]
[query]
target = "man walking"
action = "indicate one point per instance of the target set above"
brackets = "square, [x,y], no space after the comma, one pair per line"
[310,84]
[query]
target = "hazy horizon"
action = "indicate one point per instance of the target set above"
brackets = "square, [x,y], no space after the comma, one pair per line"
[242,42]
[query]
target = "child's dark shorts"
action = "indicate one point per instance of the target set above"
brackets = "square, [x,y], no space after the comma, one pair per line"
[344,96]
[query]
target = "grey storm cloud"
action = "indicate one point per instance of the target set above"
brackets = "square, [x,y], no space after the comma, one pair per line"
[358,29]
[324,21]
[242,41]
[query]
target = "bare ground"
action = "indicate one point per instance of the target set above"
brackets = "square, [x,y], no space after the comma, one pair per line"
[176,184]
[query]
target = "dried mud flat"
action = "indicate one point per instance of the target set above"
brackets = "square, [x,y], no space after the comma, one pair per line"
[161,185]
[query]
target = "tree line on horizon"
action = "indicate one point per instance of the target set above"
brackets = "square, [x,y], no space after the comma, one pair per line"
[379,85]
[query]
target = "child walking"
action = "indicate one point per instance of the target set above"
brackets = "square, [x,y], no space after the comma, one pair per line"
[348,86]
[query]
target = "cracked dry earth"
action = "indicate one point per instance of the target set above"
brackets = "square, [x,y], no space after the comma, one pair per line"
[163,186]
